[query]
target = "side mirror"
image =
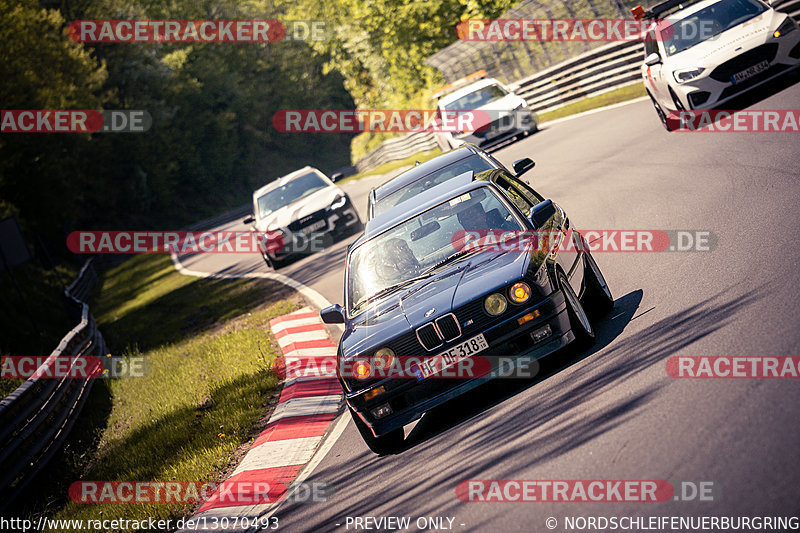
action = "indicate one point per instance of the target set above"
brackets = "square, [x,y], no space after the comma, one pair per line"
[333,314]
[249,220]
[541,213]
[336,177]
[521,166]
[652,59]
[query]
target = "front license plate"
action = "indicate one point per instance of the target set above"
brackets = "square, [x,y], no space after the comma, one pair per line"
[318,225]
[436,363]
[750,72]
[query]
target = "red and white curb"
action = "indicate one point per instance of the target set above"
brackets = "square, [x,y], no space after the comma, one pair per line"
[308,404]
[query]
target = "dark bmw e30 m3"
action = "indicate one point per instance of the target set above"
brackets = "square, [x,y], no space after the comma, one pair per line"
[415,290]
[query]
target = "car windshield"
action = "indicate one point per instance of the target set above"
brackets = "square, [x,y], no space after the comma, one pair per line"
[679,35]
[478,98]
[420,246]
[474,163]
[289,192]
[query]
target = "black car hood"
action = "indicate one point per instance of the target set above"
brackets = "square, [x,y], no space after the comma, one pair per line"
[404,311]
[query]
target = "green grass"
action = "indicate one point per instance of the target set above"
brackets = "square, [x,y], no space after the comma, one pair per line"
[393,165]
[210,353]
[616,96]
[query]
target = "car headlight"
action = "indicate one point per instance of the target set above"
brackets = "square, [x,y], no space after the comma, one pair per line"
[687,74]
[339,201]
[519,293]
[788,26]
[362,369]
[383,359]
[495,304]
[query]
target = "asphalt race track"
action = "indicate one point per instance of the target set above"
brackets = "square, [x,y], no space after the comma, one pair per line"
[614,413]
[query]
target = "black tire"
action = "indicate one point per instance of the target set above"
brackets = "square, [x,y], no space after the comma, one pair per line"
[383,445]
[662,116]
[276,264]
[578,319]
[597,295]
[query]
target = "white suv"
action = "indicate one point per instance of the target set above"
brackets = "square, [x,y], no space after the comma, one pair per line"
[699,56]
[508,115]
[301,213]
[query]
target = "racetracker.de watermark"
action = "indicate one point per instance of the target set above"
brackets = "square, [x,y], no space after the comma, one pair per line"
[452,364]
[74,121]
[73,367]
[566,491]
[735,121]
[590,30]
[593,241]
[197,31]
[182,242]
[230,492]
[733,367]
[392,120]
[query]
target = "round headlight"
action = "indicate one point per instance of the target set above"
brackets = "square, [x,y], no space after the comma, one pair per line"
[362,369]
[519,292]
[495,304]
[383,358]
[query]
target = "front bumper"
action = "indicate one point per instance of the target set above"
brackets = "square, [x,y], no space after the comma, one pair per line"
[501,129]
[409,398]
[339,223]
[711,89]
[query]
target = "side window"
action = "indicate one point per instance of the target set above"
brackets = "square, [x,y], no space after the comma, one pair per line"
[522,196]
[650,44]
[514,194]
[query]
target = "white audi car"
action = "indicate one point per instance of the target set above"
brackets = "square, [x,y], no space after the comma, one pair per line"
[504,114]
[700,54]
[300,214]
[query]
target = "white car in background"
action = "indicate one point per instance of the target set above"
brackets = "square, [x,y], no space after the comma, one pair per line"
[507,114]
[301,213]
[700,54]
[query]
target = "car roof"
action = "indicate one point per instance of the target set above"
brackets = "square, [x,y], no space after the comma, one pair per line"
[673,10]
[287,178]
[472,87]
[413,174]
[423,201]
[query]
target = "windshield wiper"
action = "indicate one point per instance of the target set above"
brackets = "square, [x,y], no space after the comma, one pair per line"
[392,288]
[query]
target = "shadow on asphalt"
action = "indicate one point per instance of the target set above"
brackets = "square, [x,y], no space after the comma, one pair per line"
[571,403]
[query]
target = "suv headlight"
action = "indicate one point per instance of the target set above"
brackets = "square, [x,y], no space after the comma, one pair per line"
[338,202]
[788,26]
[687,74]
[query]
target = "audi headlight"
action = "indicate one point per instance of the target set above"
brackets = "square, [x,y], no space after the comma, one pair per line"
[495,304]
[788,26]
[338,202]
[519,293]
[687,74]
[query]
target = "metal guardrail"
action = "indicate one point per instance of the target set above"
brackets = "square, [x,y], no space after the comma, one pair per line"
[36,418]
[398,148]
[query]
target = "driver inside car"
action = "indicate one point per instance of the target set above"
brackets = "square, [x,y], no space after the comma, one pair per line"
[396,261]
[475,218]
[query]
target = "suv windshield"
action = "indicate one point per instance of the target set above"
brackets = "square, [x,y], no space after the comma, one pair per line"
[478,98]
[679,35]
[289,192]
[421,245]
[474,163]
